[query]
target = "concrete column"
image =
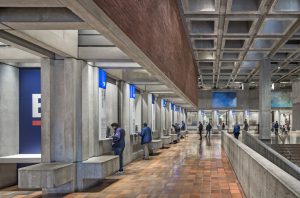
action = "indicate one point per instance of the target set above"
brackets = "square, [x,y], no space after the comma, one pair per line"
[158,116]
[138,111]
[231,119]
[215,119]
[246,101]
[62,137]
[145,107]
[296,106]
[150,112]
[265,99]
[125,100]
[168,118]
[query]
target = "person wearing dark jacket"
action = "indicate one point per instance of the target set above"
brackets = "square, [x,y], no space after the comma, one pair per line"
[208,129]
[182,126]
[236,130]
[146,135]
[118,143]
[177,131]
[200,129]
[276,126]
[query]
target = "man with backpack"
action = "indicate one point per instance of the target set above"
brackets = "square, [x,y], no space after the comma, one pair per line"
[236,130]
[208,129]
[276,126]
[118,143]
[146,140]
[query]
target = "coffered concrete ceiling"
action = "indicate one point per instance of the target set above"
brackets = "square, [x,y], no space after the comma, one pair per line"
[230,37]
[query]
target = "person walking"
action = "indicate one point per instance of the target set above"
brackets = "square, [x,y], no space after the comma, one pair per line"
[183,126]
[276,126]
[223,126]
[200,129]
[236,130]
[118,143]
[146,135]
[208,129]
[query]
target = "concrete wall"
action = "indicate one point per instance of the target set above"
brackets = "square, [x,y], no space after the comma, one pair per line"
[111,103]
[258,176]
[9,121]
[244,100]
[9,110]
[271,155]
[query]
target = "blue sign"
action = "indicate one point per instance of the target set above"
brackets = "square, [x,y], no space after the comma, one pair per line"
[132,91]
[29,111]
[224,99]
[153,99]
[172,106]
[164,102]
[102,79]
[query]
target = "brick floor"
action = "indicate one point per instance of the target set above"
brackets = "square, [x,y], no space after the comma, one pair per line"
[191,168]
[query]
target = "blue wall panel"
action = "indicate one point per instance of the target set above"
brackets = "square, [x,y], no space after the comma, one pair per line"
[30,129]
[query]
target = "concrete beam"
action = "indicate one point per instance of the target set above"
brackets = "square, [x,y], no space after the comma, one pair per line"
[101,53]
[30,3]
[40,18]
[12,54]
[22,44]
[61,42]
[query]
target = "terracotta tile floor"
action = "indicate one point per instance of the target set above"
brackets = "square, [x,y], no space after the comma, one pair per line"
[185,170]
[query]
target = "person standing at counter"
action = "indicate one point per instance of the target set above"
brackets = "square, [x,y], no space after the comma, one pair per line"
[146,135]
[118,143]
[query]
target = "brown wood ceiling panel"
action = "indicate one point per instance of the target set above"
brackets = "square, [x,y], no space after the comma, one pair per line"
[156,28]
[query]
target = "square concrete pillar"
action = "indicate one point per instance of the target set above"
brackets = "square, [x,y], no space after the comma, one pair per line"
[265,99]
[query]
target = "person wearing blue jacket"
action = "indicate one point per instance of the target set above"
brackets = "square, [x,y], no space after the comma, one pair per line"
[146,139]
[118,143]
[236,130]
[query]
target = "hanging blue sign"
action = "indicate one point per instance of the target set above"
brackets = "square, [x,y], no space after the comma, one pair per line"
[172,106]
[132,91]
[164,102]
[29,111]
[102,79]
[153,99]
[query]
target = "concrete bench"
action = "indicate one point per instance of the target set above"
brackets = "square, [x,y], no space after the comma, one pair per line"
[166,140]
[93,170]
[99,167]
[156,145]
[8,167]
[46,175]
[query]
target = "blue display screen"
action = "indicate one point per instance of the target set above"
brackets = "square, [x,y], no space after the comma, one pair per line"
[102,79]
[224,100]
[281,99]
[132,91]
[164,102]
[30,111]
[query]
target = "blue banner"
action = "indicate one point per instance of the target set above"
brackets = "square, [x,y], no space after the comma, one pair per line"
[164,102]
[172,106]
[153,99]
[132,91]
[102,79]
[29,111]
